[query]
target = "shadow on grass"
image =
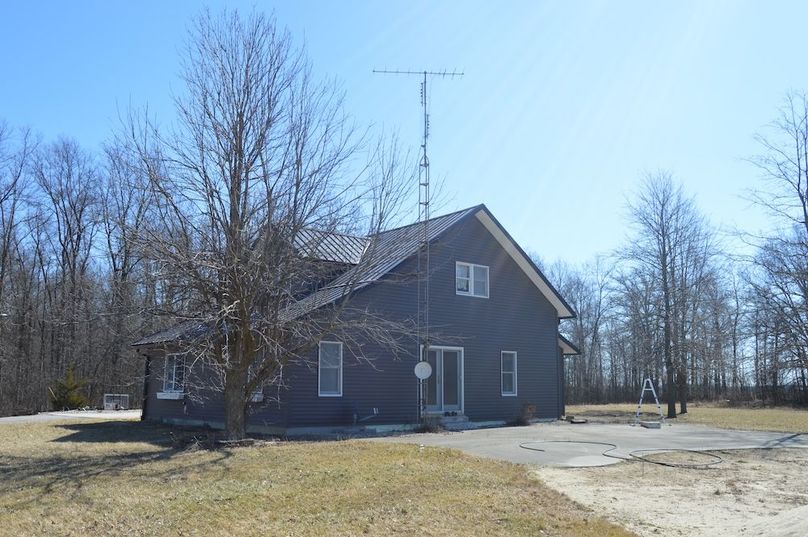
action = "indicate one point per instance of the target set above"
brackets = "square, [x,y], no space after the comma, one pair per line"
[115,432]
[128,432]
[68,471]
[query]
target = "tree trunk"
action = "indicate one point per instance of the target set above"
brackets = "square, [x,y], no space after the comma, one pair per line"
[682,392]
[666,339]
[670,389]
[235,405]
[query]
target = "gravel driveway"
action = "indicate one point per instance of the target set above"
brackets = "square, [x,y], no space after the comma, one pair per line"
[74,414]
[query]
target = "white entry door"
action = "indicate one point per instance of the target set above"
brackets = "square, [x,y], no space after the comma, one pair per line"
[444,389]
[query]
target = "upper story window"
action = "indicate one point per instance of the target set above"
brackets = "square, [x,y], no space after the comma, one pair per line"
[330,369]
[471,280]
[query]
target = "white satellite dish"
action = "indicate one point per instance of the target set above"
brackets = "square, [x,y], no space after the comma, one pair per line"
[423,370]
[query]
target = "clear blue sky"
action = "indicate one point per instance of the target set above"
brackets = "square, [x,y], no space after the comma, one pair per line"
[563,107]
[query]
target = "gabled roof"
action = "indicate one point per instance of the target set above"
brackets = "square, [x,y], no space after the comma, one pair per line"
[383,252]
[390,248]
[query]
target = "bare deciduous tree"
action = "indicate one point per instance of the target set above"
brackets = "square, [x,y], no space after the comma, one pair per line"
[780,278]
[587,291]
[15,153]
[671,244]
[262,156]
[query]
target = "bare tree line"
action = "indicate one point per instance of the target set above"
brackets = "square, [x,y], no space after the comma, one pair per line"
[206,221]
[71,287]
[217,221]
[674,306]
[260,170]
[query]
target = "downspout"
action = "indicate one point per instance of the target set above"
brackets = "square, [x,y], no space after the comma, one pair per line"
[562,388]
[146,375]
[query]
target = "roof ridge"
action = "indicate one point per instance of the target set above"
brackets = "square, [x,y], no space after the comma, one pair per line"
[327,232]
[366,237]
[478,206]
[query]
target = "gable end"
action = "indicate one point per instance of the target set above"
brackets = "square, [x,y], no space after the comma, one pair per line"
[563,309]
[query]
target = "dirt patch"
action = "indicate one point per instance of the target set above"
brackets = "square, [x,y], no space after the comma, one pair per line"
[753,492]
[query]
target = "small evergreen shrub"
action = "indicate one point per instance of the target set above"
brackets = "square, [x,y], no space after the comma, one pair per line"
[66,393]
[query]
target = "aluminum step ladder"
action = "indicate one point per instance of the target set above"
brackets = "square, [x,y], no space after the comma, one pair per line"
[648,386]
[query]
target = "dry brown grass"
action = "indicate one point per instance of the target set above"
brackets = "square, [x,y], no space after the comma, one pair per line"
[115,478]
[780,419]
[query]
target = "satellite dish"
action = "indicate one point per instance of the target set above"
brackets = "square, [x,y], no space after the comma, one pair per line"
[423,370]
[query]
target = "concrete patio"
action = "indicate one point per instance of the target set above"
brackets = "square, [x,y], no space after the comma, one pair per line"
[562,444]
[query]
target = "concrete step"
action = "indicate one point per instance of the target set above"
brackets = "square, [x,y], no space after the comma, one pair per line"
[454,422]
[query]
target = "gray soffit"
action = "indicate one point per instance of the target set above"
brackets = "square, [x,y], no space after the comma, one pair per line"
[567,346]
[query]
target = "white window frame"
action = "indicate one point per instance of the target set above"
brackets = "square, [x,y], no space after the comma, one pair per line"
[502,374]
[257,396]
[173,392]
[472,267]
[461,374]
[320,392]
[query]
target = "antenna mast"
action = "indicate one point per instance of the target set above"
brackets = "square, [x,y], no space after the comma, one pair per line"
[424,200]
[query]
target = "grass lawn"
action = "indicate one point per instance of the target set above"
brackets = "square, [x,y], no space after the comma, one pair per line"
[116,478]
[782,419]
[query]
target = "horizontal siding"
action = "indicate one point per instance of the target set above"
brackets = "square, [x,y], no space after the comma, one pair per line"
[372,376]
[515,317]
[204,405]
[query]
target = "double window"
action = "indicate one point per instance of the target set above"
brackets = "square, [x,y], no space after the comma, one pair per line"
[330,369]
[508,373]
[471,280]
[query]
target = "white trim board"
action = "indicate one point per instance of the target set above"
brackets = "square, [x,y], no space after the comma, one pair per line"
[461,378]
[170,395]
[524,264]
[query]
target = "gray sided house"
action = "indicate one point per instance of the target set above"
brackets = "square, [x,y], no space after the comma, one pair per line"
[495,349]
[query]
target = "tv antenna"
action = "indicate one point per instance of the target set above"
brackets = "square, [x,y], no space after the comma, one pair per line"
[424,200]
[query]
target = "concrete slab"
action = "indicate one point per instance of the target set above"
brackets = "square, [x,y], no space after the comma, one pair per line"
[562,444]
